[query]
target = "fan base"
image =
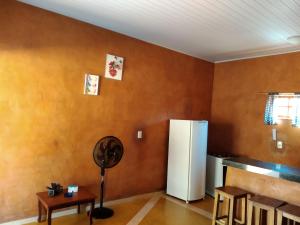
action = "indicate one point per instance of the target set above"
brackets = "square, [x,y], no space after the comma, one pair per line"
[102,213]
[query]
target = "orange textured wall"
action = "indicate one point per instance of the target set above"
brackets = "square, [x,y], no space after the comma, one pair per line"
[238,108]
[49,128]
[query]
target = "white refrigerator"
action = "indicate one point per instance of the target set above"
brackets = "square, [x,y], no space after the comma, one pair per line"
[187,159]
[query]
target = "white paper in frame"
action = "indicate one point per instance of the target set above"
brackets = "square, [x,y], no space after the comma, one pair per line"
[91,84]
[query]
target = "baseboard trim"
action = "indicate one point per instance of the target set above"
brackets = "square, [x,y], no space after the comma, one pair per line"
[74,211]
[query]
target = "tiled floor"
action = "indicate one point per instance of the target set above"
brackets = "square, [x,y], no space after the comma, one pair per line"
[150,209]
[207,204]
[166,212]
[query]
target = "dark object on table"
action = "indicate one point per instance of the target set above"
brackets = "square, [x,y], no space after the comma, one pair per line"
[51,193]
[55,189]
[68,194]
[107,153]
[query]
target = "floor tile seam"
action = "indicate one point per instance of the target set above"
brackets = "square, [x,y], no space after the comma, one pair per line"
[130,199]
[140,215]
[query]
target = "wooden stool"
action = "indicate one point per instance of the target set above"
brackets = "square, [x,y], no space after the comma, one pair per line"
[231,194]
[291,212]
[262,203]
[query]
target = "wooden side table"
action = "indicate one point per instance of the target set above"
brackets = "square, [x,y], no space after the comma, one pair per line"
[59,202]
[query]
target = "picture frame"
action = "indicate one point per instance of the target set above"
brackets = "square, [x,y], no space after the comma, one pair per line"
[91,84]
[114,67]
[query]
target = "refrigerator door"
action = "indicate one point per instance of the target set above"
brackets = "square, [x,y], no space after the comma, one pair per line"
[198,149]
[178,158]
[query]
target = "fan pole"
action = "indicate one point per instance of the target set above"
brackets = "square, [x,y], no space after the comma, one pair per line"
[102,212]
[102,187]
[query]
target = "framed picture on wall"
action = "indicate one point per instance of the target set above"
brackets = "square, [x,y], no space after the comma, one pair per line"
[114,67]
[91,84]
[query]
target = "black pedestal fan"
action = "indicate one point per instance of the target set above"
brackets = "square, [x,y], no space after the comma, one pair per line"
[107,153]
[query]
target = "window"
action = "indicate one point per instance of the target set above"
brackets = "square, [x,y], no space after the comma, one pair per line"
[283,106]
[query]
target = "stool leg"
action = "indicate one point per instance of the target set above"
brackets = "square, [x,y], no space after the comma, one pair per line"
[257,215]
[279,217]
[250,212]
[216,207]
[244,210]
[231,211]
[271,217]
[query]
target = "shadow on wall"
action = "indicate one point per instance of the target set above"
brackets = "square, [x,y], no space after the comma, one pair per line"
[220,138]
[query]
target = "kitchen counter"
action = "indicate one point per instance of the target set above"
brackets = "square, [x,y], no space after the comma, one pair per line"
[265,168]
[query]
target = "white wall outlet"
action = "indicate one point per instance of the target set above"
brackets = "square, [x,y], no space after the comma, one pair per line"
[139,134]
[279,144]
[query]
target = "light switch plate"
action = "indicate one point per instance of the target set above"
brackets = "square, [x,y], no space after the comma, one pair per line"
[279,144]
[139,134]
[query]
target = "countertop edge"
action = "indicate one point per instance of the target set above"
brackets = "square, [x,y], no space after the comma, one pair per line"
[256,166]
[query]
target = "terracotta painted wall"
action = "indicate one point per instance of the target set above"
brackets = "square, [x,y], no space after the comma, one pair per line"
[238,110]
[49,128]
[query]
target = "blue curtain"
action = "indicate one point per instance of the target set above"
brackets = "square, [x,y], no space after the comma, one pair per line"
[269,115]
[296,119]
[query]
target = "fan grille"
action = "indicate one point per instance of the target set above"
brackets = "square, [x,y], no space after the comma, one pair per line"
[108,152]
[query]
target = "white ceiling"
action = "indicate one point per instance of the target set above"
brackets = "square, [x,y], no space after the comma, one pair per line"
[214,30]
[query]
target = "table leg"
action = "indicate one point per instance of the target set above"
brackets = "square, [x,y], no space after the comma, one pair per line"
[78,208]
[91,212]
[40,211]
[49,216]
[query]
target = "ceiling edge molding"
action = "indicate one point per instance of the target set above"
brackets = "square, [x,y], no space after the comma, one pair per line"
[257,56]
